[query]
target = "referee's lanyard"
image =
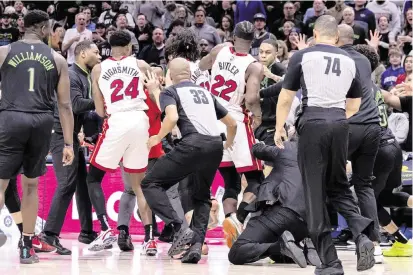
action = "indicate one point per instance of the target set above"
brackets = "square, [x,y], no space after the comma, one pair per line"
[89,92]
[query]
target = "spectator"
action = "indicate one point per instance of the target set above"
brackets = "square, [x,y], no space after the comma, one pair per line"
[383,27]
[8,34]
[108,17]
[99,35]
[169,15]
[93,13]
[362,14]
[154,54]
[19,8]
[182,14]
[203,47]
[407,65]
[226,9]
[212,10]
[153,11]
[130,7]
[89,24]
[205,31]
[20,26]
[175,28]
[405,37]
[143,31]
[389,9]
[209,20]
[282,53]
[287,28]
[227,26]
[56,37]
[292,40]
[289,15]
[337,10]
[122,25]
[389,77]
[73,36]
[260,34]
[104,47]
[319,9]
[246,9]
[359,32]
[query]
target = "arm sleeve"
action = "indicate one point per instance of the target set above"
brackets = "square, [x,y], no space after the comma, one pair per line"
[272,91]
[355,88]
[265,152]
[293,75]
[219,109]
[168,97]
[79,103]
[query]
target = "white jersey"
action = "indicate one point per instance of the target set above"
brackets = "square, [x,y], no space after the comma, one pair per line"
[228,79]
[199,77]
[121,86]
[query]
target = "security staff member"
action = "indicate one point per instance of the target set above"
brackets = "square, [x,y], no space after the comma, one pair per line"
[364,136]
[73,178]
[331,94]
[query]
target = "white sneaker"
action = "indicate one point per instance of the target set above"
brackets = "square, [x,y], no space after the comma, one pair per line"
[104,239]
[149,248]
[378,254]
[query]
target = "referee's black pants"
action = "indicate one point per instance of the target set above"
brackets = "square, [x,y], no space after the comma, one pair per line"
[195,154]
[363,145]
[322,157]
[260,238]
[70,178]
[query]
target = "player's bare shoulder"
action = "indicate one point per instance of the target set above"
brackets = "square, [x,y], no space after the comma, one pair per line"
[255,69]
[143,66]
[96,71]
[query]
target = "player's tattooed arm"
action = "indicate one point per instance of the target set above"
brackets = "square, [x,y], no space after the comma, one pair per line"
[255,73]
[63,98]
[208,60]
[96,92]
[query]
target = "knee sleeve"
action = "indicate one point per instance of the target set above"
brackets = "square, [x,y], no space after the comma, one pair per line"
[12,199]
[232,182]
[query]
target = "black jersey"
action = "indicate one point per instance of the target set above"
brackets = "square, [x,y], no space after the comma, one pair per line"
[29,78]
[385,133]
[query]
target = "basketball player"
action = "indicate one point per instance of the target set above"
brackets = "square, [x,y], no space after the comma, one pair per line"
[235,81]
[119,96]
[30,73]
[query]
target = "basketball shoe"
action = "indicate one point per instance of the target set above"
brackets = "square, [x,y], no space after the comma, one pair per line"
[232,229]
[105,238]
[149,248]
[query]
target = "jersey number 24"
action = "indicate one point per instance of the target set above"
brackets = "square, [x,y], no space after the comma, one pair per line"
[131,90]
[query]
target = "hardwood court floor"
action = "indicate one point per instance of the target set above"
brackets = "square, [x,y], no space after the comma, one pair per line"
[113,262]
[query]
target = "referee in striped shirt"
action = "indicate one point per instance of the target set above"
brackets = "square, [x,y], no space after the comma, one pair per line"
[332,93]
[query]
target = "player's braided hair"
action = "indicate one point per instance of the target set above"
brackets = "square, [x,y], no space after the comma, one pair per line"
[370,53]
[119,39]
[244,30]
[35,18]
[184,44]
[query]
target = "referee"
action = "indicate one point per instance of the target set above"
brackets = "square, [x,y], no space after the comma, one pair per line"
[331,93]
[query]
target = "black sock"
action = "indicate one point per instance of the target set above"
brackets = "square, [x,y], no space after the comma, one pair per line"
[148,232]
[103,222]
[154,224]
[124,228]
[228,215]
[399,236]
[20,226]
[27,241]
[241,213]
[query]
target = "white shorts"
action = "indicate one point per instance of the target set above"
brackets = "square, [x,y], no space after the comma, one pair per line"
[241,156]
[123,139]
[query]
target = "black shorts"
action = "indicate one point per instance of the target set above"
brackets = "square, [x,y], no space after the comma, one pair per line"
[24,142]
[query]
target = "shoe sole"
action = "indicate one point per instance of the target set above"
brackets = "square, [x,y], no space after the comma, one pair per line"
[31,260]
[312,255]
[231,232]
[37,250]
[151,252]
[107,242]
[180,243]
[192,257]
[291,250]
[365,256]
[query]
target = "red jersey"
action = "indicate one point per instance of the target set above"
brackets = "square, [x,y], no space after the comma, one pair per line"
[154,115]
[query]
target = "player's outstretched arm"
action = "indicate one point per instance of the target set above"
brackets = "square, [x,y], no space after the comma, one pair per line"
[255,74]
[96,92]
[63,99]
[392,100]
[208,60]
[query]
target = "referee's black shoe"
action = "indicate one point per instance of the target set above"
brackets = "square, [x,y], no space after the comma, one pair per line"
[181,239]
[310,253]
[193,255]
[290,249]
[365,253]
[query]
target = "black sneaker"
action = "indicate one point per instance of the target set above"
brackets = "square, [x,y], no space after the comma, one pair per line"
[290,249]
[335,268]
[125,241]
[167,235]
[342,239]
[193,255]
[54,241]
[3,238]
[87,238]
[181,239]
[28,256]
[365,253]
[310,253]
[385,239]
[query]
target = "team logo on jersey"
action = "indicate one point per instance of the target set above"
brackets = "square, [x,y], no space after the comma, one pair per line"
[8,221]
[231,58]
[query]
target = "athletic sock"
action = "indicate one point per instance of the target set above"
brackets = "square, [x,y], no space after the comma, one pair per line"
[228,215]
[124,228]
[27,240]
[20,226]
[103,222]
[399,236]
[241,213]
[148,232]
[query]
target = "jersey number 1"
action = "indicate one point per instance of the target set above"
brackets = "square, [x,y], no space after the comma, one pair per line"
[31,79]
[131,90]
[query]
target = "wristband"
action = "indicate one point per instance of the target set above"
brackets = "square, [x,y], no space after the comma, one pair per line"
[68,145]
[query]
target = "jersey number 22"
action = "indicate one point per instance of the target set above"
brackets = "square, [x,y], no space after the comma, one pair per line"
[131,90]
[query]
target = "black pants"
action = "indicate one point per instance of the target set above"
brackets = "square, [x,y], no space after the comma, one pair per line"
[322,157]
[194,154]
[70,179]
[363,145]
[387,170]
[260,238]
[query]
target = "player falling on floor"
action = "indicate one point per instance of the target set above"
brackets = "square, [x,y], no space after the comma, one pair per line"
[119,97]
[31,72]
[235,81]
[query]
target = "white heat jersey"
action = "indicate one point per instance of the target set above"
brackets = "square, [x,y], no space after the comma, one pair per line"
[228,79]
[199,77]
[121,86]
